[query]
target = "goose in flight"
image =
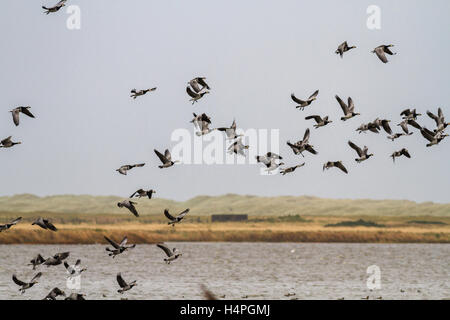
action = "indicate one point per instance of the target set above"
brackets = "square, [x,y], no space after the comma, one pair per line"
[123,169]
[381,51]
[439,119]
[143,193]
[238,147]
[75,269]
[204,128]
[44,224]
[402,152]
[76,296]
[136,93]
[37,260]
[166,159]
[171,254]
[404,125]
[199,119]
[54,294]
[337,164]
[6,226]
[118,248]
[349,110]
[343,47]
[129,205]
[197,82]
[383,123]
[291,169]
[302,145]
[410,114]
[176,219]
[123,285]
[304,103]
[270,161]
[368,127]
[433,137]
[7,143]
[195,96]
[362,153]
[55,8]
[16,112]
[398,135]
[57,259]
[26,285]
[231,131]
[319,121]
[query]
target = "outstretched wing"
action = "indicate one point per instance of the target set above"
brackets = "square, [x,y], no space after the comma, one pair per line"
[380,53]
[434,117]
[203,83]
[341,166]
[161,156]
[15,115]
[182,214]
[111,242]
[167,155]
[342,104]
[37,276]
[356,148]
[168,215]
[413,123]
[194,85]
[15,221]
[297,100]
[17,281]
[191,93]
[165,248]
[315,117]
[124,241]
[120,281]
[27,112]
[427,134]
[405,153]
[314,95]
[386,126]
[306,135]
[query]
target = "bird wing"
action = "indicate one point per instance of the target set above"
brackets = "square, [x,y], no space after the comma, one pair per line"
[27,112]
[15,115]
[426,134]
[440,114]
[50,225]
[194,85]
[356,148]
[120,281]
[165,248]
[387,50]
[405,153]
[78,263]
[182,214]
[203,83]
[413,123]
[114,244]
[168,155]
[168,215]
[293,97]
[161,156]
[315,117]
[124,241]
[15,221]
[351,105]
[133,194]
[191,93]
[314,95]
[306,136]
[17,281]
[6,140]
[386,126]
[133,210]
[310,149]
[380,53]
[341,166]
[342,104]
[404,126]
[37,276]
[434,117]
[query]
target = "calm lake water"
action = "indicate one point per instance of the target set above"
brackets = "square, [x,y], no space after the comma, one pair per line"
[239,270]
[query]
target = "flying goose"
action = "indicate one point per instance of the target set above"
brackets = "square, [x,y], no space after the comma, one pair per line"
[204,128]
[197,82]
[76,296]
[237,147]
[291,169]
[166,159]
[269,160]
[433,137]
[136,93]
[26,285]
[171,254]
[118,248]
[304,103]
[410,114]
[200,118]
[129,205]
[16,112]
[349,110]
[404,125]
[337,164]
[143,193]
[439,119]
[7,143]
[44,224]
[55,8]
[398,135]
[302,145]
[231,131]
[123,285]
[176,219]
[343,47]
[37,260]
[57,259]
[402,152]
[368,127]
[9,225]
[54,294]
[383,123]
[319,121]
[381,50]
[75,269]
[194,95]
[123,169]
[362,153]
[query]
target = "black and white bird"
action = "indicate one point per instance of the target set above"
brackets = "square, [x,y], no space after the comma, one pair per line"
[198,119]
[136,93]
[7,143]
[348,109]
[203,127]
[197,82]
[343,47]
[362,153]
[270,161]
[320,122]
[284,171]
[336,164]
[433,137]
[230,131]
[123,169]
[55,8]
[74,270]
[410,114]
[381,51]
[16,113]
[304,103]
[130,205]
[177,219]
[26,285]
[439,119]
[118,248]
[6,226]
[123,285]
[383,123]
[44,224]
[143,193]
[165,158]
[171,254]
[302,145]
[238,147]
[195,96]
[402,152]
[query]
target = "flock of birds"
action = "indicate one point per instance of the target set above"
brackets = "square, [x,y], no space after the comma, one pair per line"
[196,89]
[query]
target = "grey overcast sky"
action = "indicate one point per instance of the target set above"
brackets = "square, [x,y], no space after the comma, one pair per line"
[254,54]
